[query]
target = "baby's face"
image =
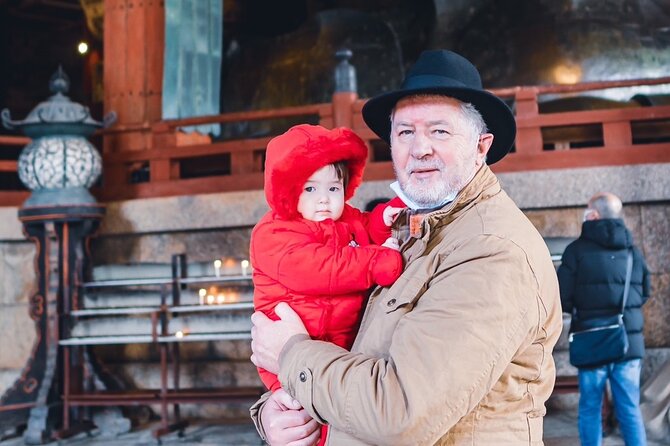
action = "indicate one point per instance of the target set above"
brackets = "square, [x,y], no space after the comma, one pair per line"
[322,196]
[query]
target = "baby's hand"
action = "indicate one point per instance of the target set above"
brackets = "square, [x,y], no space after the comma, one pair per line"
[390,214]
[392,243]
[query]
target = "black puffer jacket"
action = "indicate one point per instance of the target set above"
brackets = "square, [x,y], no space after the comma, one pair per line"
[592,276]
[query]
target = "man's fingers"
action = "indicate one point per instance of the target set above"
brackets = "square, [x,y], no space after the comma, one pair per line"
[310,440]
[259,318]
[301,432]
[282,397]
[286,313]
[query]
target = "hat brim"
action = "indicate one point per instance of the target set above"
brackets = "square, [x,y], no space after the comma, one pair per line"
[497,115]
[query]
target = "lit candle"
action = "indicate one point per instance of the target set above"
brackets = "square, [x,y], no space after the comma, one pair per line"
[210,299]
[202,293]
[221,299]
[217,267]
[179,334]
[244,264]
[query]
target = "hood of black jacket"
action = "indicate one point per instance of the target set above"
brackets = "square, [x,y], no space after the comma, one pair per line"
[610,233]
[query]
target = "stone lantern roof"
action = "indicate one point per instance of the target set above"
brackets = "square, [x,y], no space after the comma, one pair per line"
[58,115]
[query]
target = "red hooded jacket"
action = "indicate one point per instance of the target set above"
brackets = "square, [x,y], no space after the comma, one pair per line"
[314,266]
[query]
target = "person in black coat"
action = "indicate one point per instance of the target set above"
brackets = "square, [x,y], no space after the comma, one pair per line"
[592,277]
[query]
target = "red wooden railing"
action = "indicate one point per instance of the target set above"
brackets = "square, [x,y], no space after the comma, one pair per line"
[8,168]
[162,160]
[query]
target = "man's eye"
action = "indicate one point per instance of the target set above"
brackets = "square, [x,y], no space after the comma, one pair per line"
[310,189]
[441,131]
[405,132]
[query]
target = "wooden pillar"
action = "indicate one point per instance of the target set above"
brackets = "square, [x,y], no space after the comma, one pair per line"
[134,42]
[528,138]
[343,113]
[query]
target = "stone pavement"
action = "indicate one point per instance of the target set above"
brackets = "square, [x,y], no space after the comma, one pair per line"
[560,430]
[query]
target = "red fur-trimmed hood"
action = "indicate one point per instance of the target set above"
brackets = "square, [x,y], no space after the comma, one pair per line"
[293,157]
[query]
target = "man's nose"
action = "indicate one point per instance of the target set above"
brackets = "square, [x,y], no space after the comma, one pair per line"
[421,146]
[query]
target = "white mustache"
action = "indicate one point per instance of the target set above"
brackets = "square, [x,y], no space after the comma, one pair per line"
[424,165]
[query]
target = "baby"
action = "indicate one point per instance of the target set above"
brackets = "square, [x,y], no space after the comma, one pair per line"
[312,250]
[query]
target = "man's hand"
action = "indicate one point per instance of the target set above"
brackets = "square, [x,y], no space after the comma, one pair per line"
[390,214]
[269,337]
[285,422]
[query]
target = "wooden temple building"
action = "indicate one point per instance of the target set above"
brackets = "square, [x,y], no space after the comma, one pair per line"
[139,301]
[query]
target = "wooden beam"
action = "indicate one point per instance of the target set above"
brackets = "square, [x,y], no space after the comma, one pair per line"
[587,157]
[6,140]
[13,198]
[8,166]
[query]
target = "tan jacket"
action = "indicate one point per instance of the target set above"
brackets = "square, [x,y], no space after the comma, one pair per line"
[458,350]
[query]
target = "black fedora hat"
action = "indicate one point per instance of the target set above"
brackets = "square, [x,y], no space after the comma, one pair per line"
[446,73]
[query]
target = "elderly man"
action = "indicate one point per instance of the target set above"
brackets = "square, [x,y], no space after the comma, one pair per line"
[458,350]
[592,277]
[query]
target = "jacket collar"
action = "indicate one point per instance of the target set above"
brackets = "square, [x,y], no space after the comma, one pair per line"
[482,186]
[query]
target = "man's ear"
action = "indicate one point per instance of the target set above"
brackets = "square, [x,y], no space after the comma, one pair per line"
[592,214]
[483,146]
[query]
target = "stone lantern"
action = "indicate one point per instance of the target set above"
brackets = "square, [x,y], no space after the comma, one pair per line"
[59,164]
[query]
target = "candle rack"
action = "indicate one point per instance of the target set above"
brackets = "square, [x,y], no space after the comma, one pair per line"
[181,297]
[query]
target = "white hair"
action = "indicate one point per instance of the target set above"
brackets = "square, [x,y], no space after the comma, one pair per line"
[472,116]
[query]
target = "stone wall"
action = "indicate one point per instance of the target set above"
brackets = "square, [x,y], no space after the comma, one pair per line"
[17,278]
[219,225]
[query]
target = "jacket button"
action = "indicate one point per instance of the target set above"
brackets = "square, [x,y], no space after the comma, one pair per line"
[391,302]
[303,377]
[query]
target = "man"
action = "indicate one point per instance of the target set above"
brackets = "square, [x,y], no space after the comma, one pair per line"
[458,349]
[592,277]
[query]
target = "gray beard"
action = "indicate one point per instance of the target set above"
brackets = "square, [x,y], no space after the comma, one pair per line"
[425,196]
[429,198]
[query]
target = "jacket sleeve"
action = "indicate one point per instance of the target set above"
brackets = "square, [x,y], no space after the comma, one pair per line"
[445,354]
[374,220]
[294,257]
[646,277]
[567,273]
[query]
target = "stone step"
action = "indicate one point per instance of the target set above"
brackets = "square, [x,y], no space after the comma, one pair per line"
[125,297]
[219,320]
[229,267]
[122,305]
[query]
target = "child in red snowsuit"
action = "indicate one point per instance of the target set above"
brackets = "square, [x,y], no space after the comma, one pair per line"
[312,250]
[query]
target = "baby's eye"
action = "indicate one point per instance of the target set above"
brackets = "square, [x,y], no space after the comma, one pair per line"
[334,188]
[310,188]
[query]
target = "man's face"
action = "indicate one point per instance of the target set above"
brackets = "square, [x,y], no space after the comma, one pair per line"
[322,196]
[435,150]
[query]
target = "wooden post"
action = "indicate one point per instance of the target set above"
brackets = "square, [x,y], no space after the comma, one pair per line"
[617,134]
[343,114]
[134,42]
[528,138]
